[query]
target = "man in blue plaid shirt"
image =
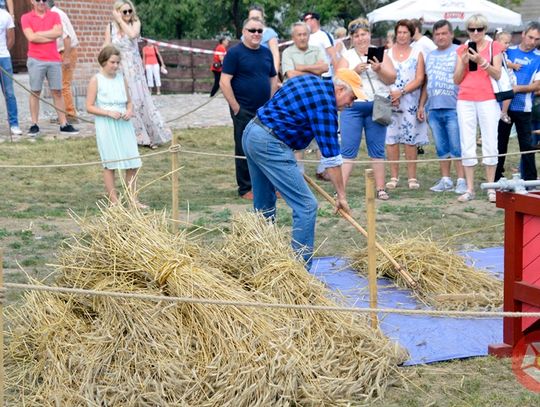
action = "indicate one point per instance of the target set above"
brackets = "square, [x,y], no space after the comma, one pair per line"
[304,108]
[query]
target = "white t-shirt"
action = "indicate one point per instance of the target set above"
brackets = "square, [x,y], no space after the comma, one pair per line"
[67,29]
[6,23]
[424,45]
[352,57]
[320,39]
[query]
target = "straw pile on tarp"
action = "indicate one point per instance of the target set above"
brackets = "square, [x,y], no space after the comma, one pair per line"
[73,350]
[445,280]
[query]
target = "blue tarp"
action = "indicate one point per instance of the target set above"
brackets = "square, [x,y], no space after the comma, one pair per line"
[428,339]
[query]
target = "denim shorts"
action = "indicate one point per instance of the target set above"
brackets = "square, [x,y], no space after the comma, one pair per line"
[355,119]
[39,70]
[445,129]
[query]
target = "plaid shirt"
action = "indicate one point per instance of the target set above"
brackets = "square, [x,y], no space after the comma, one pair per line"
[302,109]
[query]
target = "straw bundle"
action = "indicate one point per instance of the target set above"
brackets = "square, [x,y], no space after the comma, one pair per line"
[79,351]
[349,360]
[445,280]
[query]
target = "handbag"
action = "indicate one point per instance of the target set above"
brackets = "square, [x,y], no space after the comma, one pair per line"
[382,107]
[502,88]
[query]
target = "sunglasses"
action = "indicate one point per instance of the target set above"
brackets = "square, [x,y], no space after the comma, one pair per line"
[126,12]
[355,27]
[476,29]
[255,30]
[40,1]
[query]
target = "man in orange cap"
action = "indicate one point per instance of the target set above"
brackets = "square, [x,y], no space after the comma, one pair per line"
[305,108]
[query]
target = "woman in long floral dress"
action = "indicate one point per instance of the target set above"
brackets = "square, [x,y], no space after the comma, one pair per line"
[123,33]
[405,92]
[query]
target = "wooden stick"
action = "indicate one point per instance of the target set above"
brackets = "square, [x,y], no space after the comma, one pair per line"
[406,276]
[3,295]
[372,255]
[175,186]
[458,297]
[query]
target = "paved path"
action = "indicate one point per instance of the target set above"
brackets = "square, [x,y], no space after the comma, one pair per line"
[215,113]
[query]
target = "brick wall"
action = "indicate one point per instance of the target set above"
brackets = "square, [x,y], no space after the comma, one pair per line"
[89,19]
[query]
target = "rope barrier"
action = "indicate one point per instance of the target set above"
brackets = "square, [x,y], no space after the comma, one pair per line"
[41,99]
[179,149]
[89,163]
[226,303]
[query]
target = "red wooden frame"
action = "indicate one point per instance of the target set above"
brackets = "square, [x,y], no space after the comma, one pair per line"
[521,267]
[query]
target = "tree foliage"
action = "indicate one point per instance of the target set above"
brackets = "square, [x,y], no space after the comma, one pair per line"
[208,19]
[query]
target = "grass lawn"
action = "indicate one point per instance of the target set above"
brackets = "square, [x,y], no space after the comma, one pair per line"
[35,220]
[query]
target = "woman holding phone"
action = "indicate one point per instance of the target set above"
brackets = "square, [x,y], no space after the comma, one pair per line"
[477,61]
[356,118]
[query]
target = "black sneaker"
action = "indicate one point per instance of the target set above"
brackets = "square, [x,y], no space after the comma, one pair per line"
[69,129]
[34,130]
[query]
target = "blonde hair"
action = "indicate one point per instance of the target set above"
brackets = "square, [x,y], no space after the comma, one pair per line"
[118,4]
[501,34]
[340,32]
[358,24]
[479,19]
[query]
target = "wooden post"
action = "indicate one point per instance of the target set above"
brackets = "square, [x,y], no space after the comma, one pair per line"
[175,186]
[2,300]
[371,249]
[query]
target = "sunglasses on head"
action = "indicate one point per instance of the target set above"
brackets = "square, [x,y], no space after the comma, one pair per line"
[476,29]
[359,26]
[126,12]
[255,30]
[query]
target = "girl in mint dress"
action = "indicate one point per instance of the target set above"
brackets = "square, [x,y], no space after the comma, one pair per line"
[108,99]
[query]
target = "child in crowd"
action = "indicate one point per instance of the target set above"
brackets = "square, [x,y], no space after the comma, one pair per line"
[108,99]
[340,34]
[153,64]
[505,38]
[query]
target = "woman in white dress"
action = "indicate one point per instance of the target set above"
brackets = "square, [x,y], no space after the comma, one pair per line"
[405,93]
[123,32]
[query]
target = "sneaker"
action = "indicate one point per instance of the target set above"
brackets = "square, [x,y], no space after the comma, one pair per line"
[69,129]
[444,184]
[461,186]
[34,130]
[15,130]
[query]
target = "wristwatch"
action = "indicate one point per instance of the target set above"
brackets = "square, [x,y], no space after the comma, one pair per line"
[403,92]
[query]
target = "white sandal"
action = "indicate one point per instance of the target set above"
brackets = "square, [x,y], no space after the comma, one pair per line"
[392,184]
[413,183]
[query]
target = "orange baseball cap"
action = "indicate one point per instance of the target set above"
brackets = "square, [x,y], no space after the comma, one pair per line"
[351,78]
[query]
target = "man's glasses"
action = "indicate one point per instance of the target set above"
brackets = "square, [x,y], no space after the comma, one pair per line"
[126,12]
[476,29]
[255,30]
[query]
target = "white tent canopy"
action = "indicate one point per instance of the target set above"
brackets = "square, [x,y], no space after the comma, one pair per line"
[455,11]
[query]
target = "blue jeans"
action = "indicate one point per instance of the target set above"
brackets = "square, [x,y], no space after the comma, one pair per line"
[445,129]
[272,167]
[9,94]
[352,121]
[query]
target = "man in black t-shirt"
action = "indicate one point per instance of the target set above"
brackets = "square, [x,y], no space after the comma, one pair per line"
[248,80]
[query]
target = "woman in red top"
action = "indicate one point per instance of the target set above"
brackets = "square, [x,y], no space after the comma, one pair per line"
[152,61]
[476,102]
[217,62]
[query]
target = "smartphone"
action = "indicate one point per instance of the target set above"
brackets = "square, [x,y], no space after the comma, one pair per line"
[375,52]
[473,66]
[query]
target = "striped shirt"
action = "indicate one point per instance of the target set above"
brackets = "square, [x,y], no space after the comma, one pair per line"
[302,109]
[530,67]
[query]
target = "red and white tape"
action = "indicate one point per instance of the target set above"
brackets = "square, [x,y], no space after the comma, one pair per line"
[194,50]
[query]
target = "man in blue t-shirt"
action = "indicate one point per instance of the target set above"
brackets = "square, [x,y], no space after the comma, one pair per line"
[248,80]
[525,55]
[440,92]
